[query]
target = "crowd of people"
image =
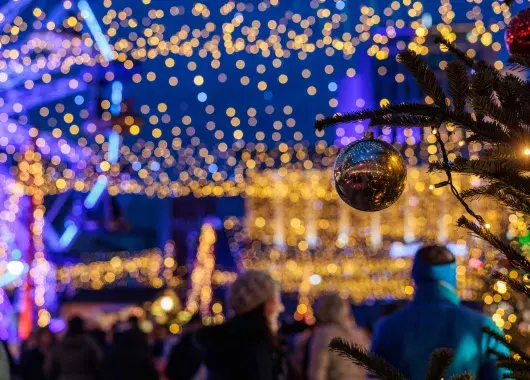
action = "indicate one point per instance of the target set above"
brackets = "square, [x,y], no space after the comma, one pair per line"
[249,346]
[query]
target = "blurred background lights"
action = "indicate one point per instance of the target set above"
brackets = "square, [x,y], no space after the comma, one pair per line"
[15,267]
[166,303]
[315,279]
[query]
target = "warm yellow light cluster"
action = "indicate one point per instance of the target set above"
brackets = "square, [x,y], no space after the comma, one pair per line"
[30,174]
[151,267]
[200,293]
[297,228]
[302,210]
[331,28]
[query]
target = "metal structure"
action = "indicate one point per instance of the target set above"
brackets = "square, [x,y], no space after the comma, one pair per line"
[25,85]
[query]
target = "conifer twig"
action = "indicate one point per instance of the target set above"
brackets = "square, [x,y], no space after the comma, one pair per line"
[516,259]
[502,339]
[371,362]
[512,283]
[514,365]
[463,376]
[439,361]
[451,46]
[517,375]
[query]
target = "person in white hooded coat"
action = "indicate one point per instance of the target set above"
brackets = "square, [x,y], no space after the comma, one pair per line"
[334,320]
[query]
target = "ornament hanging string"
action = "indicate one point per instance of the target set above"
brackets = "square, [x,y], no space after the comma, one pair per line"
[450,183]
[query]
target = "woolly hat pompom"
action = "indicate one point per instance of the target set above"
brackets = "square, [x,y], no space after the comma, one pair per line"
[251,289]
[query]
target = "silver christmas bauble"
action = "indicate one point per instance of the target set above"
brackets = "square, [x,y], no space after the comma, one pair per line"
[369,174]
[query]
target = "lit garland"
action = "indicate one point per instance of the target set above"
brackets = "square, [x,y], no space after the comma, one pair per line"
[176,162]
[151,267]
[36,291]
[297,228]
[301,209]
[200,293]
[508,309]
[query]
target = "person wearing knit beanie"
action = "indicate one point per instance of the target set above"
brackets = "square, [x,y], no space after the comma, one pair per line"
[253,289]
[250,290]
[245,346]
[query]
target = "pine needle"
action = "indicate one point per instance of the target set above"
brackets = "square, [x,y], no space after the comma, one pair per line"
[361,357]
[519,62]
[424,75]
[517,375]
[485,105]
[502,193]
[458,84]
[439,362]
[463,376]
[512,283]
[451,46]
[502,339]
[414,109]
[403,120]
[516,259]
[514,365]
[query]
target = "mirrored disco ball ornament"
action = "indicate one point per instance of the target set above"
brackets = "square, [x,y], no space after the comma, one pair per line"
[517,35]
[369,174]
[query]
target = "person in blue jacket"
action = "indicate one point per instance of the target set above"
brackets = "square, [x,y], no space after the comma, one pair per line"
[436,319]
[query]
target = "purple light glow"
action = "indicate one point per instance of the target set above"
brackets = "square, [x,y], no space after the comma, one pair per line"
[354,94]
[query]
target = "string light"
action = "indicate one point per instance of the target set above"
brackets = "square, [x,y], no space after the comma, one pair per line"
[171,160]
[154,165]
[150,267]
[200,293]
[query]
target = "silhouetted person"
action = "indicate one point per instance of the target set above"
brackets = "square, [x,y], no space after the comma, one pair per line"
[159,337]
[129,357]
[135,334]
[77,356]
[5,370]
[185,358]
[99,336]
[13,367]
[436,319]
[33,360]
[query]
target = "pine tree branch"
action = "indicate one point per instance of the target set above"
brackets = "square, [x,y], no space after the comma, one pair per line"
[427,115]
[506,176]
[515,258]
[424,75]
[416,109]
[484,80]
[361,357]
[499,191]
[500,151]
[451,46]
[517,375]
[463,376]
[502,339]
[485,105]
[512,283]
[509,91]
[490,131]
[403,120]
[458,85]
[498,355]
[439,362]
[514,365]
[520,61]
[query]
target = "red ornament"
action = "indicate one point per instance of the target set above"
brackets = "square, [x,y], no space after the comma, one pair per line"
[518,33]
